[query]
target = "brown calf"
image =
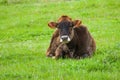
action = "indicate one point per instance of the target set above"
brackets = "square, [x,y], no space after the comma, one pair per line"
[71,39]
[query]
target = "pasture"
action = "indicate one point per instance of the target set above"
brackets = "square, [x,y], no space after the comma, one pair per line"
[25,37]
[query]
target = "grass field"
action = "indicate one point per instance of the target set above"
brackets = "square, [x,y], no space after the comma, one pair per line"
[25,37]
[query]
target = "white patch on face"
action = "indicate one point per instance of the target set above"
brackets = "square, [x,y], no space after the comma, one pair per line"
[61,40]
[64,36]
[67,39]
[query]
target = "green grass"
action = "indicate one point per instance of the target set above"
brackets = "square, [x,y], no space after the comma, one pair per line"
[25,37]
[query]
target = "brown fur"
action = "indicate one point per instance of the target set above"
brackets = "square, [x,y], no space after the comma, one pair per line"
[82,44]
[63,51]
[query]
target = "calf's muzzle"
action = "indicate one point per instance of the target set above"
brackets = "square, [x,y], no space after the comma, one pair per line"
[64,38]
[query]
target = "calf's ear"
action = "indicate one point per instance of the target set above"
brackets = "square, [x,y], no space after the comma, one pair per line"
[52,25]
[77,23]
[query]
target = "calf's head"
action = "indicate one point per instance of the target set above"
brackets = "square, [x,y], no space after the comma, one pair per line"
[65,27]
